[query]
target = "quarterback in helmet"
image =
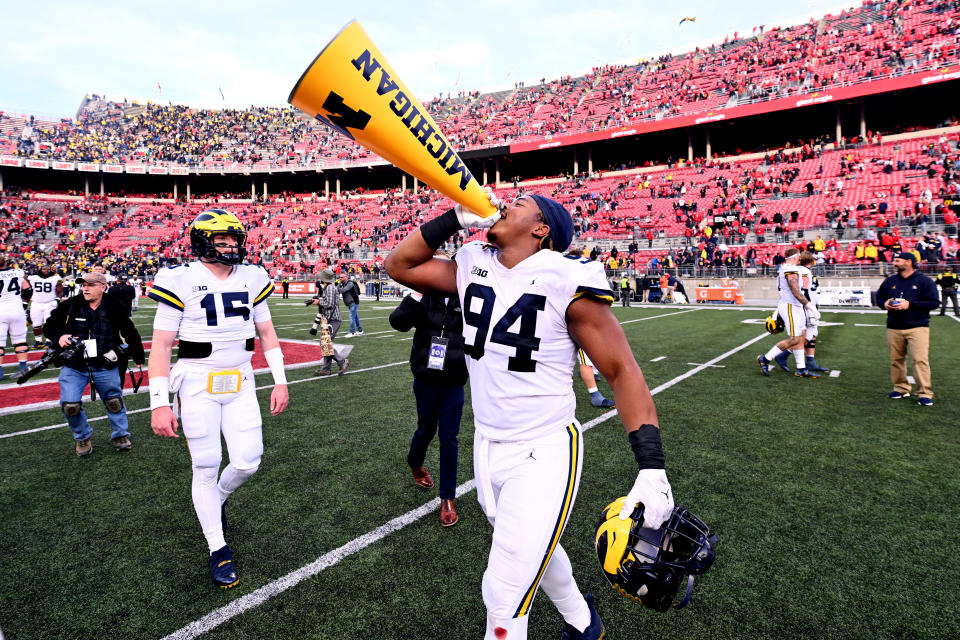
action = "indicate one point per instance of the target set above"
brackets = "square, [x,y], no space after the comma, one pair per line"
[215,305]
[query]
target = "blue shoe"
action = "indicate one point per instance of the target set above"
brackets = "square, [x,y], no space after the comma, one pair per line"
[925,402]
[806,373]
[594,630]
[597,400]
[764,365]
[813,366]
[781,361]
[896,395]
[222,571]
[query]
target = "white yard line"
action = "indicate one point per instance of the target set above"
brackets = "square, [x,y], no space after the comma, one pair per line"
[658,359]
[662,315]
[272,589]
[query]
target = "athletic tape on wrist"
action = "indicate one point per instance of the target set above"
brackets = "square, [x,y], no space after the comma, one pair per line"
[440,229]
[274,358]
[159,392]
[647,447]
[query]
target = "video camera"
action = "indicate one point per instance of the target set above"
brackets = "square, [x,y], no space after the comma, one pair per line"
[54,356]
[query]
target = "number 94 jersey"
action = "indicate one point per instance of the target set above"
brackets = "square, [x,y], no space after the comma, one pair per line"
[521,355]
[213,310]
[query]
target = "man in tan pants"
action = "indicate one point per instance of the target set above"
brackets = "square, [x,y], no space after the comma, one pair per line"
[909,297]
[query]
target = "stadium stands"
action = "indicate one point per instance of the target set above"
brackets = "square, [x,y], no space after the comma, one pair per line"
[875,41]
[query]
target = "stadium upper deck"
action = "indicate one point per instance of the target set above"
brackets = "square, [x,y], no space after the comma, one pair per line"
[878,47]
[759,203]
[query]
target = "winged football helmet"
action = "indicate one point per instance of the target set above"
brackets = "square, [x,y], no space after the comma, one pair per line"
[774,324]
[214,222]
[648,565]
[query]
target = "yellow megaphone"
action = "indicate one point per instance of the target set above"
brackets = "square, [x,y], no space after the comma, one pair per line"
[351,87]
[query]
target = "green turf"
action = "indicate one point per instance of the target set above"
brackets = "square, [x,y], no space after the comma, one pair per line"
[835,507]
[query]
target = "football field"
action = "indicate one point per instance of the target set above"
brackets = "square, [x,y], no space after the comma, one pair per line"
[837,509]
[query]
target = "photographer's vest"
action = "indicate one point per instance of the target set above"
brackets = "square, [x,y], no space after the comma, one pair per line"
[85,323]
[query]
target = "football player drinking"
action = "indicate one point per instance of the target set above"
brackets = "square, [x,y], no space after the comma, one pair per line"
[525,309]
[216,305]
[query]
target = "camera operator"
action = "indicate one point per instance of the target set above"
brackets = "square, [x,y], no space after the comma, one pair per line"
[99,322]
[328,299]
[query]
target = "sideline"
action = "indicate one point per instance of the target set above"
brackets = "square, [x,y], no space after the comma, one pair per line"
[257,597]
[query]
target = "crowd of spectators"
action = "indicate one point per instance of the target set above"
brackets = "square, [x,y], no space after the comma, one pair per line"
[878,39]
[863,203]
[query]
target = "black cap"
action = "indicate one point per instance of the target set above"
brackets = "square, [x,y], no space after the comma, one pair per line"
[907,255]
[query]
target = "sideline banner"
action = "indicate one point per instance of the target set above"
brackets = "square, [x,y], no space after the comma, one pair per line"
[352,88]
[844,296]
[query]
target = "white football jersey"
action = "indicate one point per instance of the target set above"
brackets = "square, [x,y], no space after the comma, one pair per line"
[519,353]
[11,283]
[786,295]
[211,310]
[813,290]
[44,289]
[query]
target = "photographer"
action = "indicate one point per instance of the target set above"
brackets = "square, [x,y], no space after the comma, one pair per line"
[328,300]
[99,322]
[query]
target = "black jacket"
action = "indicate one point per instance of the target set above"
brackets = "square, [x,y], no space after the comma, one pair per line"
[350,291]
[918,290]
[124,294]
[428,317]
[63,320]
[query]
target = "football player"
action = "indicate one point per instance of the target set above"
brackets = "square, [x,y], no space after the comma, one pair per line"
[810,287]
[793,310]
[588,373]
[15,289]
[525,310]
[47,290]
[215,305]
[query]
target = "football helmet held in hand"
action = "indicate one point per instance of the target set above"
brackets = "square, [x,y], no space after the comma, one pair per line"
[774,324]
[648,565]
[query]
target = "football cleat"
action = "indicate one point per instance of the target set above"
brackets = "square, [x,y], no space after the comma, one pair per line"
[925,402]
[648,566]
[896,395]
[806,373]
[222,571]
[764,365]
[597,400]
[781,361]
[813,366]
[594,630]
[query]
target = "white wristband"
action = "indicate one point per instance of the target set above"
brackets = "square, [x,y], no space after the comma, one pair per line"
[274,358]
[159,392]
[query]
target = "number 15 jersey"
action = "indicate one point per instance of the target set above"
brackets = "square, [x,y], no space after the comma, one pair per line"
[520,354]
[203,308]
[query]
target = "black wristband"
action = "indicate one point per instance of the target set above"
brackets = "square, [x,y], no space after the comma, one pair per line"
[440,229]
[647,447]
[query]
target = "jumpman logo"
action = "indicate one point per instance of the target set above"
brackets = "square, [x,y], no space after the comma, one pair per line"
[530,455]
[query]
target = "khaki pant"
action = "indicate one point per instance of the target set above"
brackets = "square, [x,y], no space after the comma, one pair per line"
[918,342]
